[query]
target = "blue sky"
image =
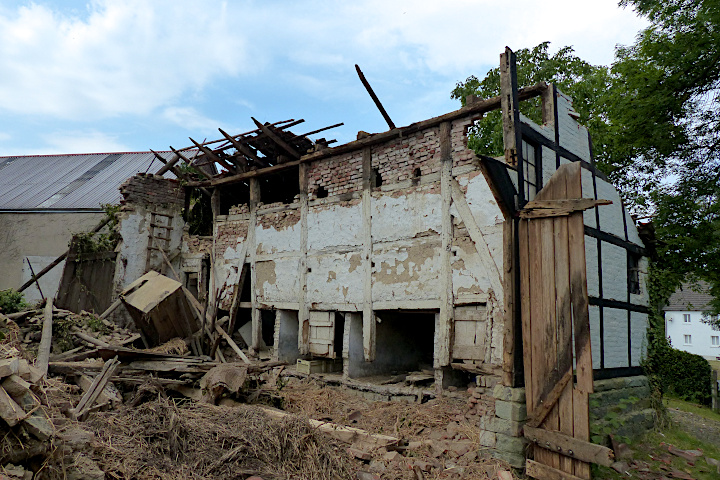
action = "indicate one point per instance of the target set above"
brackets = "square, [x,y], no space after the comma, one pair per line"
[131,75]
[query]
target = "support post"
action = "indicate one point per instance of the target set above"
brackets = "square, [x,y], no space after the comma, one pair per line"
[256,318]
[369,326]
[303,311]
[444,334]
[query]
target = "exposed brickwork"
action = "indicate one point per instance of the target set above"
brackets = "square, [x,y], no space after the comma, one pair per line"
[279,220]
[147,189]
[338,175]
[461,154]
[239,209]
[228,234]
[397,160]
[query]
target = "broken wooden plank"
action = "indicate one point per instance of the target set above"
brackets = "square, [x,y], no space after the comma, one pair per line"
[232,343]
[374,97]
[84,336]
[32,273]
[98,385]
[214,157]
[559,207]
[10,411]
[277,140]
[339,432]
[569,446]
[43,356]
[543,472]
[244,149]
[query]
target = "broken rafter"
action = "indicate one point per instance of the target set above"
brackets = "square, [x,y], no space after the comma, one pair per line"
[317,131]
[257,130]
[243,149]
[213,156]
[476,108]
[374,97]
[267,130]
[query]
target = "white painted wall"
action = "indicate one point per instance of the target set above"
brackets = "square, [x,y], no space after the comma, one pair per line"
[701,334]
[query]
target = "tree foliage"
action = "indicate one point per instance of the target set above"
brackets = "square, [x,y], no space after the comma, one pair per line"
[654,118]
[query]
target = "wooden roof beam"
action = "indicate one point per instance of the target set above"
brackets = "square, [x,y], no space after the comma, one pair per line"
[277,140]
[244,149]
[214,157]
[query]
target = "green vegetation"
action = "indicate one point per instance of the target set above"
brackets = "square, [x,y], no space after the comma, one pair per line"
[654,118]
[100,242]
[11,301]
[652,447]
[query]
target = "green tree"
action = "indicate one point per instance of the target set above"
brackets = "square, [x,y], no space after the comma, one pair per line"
[584,82]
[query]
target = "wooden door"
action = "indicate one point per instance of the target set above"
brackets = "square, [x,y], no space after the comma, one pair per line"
[322,334]
[470,333]
[554,309]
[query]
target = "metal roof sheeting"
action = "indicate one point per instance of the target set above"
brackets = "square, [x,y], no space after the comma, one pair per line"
[78,181]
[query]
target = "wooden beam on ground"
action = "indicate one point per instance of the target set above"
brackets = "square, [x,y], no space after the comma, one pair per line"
[43,356]
[96,388]
[232,343]
[348,435]
[277,140]
[82,335]
[569,446]
[58,260]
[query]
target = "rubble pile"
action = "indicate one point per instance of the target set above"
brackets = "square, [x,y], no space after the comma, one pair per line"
[82,398]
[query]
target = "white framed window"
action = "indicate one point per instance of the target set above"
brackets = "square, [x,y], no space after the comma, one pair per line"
[688,339]
[686,318]
[715,341]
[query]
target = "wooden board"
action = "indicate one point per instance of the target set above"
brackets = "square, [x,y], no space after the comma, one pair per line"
[322,334]
[554,310]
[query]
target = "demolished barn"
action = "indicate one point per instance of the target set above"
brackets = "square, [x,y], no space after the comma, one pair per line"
[405,251]
[403,259]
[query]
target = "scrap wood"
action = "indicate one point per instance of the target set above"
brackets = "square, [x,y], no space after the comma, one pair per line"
[82,335]
[98,385]
[43,356]
[230,377]
[339,432]
[232,343]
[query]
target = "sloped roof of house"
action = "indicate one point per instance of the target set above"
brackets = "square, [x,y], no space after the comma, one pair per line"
[70,182]
[690,297]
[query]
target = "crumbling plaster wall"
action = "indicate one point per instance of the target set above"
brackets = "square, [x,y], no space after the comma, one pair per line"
[402,221]
[143,195]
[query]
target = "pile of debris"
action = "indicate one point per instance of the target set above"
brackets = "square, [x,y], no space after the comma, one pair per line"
[83,398]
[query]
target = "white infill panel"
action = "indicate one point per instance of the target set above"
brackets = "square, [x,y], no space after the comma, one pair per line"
[322,333]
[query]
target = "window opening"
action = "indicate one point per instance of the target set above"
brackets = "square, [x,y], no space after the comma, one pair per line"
[686,318]
[321,192]
[376,179]
[688,339]
[634,273]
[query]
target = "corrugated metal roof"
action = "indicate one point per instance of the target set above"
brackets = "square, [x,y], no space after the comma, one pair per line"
[690,297]
[78,181]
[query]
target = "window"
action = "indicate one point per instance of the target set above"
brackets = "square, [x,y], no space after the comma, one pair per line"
[715,341]
[634,273]
[688,339]
[686,317]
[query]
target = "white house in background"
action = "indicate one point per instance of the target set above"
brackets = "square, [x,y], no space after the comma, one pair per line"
[684,323]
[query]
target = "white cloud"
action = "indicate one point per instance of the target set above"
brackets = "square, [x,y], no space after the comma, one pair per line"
[190,119]
[78,141]
[124,57]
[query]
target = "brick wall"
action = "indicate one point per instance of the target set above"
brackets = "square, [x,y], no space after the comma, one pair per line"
[397,160]
[228,234]
[461,154]
[337,175]
[148,189]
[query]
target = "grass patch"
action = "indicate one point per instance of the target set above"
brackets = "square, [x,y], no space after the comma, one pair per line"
[652,448]
[684,406]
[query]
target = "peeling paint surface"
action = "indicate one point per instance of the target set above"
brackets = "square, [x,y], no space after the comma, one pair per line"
[332,279]
[276,239]
[406,271]
[334,225]
[402,217]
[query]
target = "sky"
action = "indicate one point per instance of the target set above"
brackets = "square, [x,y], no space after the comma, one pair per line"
[133,75]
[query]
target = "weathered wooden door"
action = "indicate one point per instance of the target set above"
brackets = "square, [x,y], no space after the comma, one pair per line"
[554,309]
[470,333]
[322,333]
